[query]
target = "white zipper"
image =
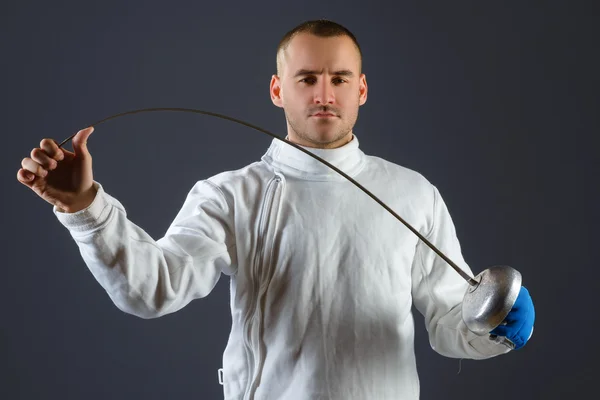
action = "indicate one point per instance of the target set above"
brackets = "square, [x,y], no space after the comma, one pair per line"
[254,365]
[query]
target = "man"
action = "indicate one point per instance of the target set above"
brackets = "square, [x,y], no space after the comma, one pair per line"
[322,278]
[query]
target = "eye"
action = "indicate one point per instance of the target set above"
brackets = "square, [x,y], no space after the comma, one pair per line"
[311,80]
[307,80]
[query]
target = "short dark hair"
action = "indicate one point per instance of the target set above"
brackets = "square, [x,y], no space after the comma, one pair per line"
[319,27]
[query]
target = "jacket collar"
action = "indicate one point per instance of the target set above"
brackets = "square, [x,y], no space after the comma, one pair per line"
[293,162]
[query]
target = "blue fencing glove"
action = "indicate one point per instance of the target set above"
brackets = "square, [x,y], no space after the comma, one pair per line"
[519,321]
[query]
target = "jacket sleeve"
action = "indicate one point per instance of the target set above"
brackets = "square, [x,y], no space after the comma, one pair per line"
[438,291]
[149,278]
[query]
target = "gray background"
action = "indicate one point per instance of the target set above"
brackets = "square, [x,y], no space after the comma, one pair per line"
[495,104]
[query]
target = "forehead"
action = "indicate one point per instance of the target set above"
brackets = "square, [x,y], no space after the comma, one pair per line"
[313,52]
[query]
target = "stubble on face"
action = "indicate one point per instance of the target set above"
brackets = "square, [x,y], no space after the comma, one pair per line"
[317,134]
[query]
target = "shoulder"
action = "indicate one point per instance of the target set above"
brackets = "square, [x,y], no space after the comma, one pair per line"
[255,170]
[398,175]
[225,185]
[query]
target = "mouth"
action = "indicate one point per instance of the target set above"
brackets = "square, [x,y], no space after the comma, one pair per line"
[323,115]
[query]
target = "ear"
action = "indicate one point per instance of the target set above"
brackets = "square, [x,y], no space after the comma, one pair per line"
[362,89]
[275,89]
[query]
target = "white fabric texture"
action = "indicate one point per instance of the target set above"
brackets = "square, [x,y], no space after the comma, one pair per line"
[322,277]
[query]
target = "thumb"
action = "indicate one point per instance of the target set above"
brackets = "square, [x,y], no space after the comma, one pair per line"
[80,142]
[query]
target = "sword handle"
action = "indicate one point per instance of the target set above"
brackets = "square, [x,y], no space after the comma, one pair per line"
[502,340]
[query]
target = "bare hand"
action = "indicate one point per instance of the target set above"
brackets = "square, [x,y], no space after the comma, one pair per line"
[61,177]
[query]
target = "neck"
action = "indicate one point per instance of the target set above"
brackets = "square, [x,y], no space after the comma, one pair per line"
[295,163]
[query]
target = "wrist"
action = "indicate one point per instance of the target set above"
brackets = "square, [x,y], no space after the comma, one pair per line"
[86,199]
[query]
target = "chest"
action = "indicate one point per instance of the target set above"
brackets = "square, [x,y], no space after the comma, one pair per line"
[333,239]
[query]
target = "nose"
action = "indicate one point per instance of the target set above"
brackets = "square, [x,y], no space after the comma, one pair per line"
[324,92]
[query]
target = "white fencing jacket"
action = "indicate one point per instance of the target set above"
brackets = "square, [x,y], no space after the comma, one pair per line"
[322,277]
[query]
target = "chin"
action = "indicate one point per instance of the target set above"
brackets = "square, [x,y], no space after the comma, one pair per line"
[324,138]
[324,133]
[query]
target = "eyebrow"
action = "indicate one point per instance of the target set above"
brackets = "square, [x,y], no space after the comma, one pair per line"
[343,72]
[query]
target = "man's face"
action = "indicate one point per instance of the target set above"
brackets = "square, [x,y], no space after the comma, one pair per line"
[320,75]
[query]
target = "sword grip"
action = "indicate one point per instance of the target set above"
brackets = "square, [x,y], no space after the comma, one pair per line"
[502,340]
